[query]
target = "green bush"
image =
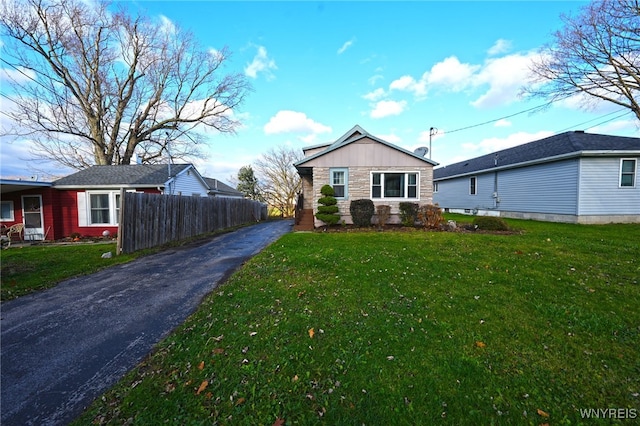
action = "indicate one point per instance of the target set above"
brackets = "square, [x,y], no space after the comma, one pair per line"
[408,213]
[327,190]
[490,223]
[361,212]
[327,201]
[328,210]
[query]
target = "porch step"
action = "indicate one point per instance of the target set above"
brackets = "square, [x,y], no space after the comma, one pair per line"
[305,221]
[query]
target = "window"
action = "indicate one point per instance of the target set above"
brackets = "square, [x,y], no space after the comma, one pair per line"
[103,208]
[394,185]
[6,210]
[435,186]
[628,173]
[473,190]
[338,179]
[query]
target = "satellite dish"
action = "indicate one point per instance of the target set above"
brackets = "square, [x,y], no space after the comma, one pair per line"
[421,151]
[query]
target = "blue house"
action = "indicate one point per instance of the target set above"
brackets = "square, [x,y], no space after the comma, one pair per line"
[570,177]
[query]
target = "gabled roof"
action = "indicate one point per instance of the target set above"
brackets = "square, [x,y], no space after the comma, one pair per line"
[218,187]
[133,175]
[357,133]
[553,148]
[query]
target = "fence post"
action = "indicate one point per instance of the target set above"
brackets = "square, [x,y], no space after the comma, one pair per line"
[120,222]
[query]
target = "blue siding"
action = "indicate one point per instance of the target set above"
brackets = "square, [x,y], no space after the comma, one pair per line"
[600,191]
[454,193]
[542,188]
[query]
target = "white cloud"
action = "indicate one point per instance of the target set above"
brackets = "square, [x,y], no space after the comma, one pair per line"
[376,95]
[20,75]
[261,63]
[502,123]
[393,138]
[387,108]
[294,122]
[451,73]
[345,46]
[499,47]
[505,77]
[489,145]
[409,84]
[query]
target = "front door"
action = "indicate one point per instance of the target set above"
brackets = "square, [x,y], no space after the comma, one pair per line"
[33,220]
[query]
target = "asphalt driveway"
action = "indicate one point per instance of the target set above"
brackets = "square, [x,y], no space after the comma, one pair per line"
[63,347]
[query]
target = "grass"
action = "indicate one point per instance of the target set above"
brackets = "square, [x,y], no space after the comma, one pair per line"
[405,328]
[32,268]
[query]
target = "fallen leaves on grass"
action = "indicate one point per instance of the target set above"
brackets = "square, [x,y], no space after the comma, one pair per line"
[201,365]
[542,413]
[311,332]
[278,422]
[480,344]
[202,387]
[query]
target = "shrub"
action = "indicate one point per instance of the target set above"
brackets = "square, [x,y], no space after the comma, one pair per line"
[361,212]
[384,213]
[327,190]
[490,223]
[408,213]
[430,216]
[327,201]
[328,210]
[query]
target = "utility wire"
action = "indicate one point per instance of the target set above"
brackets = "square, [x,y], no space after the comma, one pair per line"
[594,119]
[501,118]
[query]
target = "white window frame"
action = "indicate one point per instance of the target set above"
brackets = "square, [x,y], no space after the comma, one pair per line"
[114,209]
[473,185]
[12,215]
[634,173]
[435,187]
[344,170]
[405,189]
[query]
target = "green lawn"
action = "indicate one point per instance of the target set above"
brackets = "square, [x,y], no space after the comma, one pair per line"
[404,329]
[32,268]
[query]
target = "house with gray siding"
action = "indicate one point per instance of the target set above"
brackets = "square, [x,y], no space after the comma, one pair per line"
[359,165]
[573,177]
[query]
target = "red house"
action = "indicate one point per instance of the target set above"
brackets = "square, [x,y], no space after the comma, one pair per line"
[88,202]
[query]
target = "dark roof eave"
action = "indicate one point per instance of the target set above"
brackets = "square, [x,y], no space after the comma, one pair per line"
[608,153]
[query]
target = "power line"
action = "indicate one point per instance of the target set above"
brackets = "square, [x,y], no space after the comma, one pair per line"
[501,118]
[594,119]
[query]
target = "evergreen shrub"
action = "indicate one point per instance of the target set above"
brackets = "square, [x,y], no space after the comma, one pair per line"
[361,212]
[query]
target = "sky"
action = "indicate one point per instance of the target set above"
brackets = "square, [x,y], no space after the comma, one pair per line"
[397,69]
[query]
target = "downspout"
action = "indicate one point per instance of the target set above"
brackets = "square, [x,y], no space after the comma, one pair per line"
[496,199]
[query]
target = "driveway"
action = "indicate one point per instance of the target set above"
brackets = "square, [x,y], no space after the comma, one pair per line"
[63,347]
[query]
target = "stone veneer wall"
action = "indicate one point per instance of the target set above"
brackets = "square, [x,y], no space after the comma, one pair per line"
[359,188]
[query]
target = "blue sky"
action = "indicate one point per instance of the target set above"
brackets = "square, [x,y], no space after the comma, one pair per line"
[394,68]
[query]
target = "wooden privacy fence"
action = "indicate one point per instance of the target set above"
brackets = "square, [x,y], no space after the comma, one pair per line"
[150,220]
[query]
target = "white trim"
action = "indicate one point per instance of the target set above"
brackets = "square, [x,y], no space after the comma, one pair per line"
[635,173]
[405,189]
[12,216]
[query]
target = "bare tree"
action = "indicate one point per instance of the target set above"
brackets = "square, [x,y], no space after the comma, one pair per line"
[597,53]
[279,180]
[92,86]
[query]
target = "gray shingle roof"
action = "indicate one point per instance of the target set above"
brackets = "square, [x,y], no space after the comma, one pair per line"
[126,175]
[220,187]
[564,144]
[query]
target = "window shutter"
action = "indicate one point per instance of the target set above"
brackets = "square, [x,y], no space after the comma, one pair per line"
[82,209]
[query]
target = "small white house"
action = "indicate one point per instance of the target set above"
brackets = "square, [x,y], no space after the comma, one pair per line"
[571,177]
